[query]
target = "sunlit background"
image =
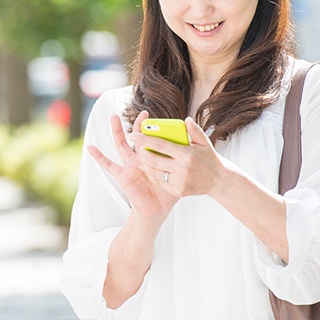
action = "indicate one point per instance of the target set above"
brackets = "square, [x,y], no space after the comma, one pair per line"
[56,58]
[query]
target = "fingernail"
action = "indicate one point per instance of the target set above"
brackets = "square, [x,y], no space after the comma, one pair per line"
[189,119]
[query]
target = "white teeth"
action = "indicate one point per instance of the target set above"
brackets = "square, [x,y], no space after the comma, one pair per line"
[206,28]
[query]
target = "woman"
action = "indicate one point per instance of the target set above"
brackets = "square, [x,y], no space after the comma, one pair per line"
[203,234]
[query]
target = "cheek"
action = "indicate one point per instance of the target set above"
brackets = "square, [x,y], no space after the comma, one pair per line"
[173,9]
[170,8]
[174,21]
[243,16]
[173,4]
[249,10]
[243,10]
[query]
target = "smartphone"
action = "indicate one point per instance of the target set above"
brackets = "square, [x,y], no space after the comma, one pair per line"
[173,130]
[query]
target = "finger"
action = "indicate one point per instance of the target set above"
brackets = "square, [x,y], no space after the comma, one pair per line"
[155,161]
[155,174]
[197,135]
[104,162]
[137,124]
[119,139]
[163,146]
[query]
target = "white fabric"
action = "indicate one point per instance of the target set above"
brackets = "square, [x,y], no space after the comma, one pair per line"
[206,265]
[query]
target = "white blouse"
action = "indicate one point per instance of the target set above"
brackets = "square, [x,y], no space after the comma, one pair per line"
[206,264]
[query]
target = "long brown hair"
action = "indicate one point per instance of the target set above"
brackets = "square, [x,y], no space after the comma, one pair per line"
[162,78]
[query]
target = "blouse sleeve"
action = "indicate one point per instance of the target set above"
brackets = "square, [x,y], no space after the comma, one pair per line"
[299,281]
[99,212]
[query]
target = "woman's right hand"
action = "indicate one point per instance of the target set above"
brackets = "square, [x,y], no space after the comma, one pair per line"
[152,203]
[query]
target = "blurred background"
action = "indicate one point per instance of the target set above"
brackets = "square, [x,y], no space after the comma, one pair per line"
[56,58]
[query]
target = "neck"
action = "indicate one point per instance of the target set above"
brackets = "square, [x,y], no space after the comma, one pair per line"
[208,70]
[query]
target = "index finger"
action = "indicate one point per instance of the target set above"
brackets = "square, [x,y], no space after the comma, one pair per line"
[137,124]
[157,144]
[119,138]
[105,162]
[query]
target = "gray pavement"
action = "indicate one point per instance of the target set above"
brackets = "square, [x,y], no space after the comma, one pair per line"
[31,249]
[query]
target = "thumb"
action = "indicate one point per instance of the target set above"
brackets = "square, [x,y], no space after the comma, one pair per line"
[196,133]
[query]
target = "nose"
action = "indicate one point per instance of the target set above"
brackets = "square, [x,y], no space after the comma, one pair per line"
[200,9]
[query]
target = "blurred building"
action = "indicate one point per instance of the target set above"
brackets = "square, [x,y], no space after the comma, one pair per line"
[49,76]
[102,70]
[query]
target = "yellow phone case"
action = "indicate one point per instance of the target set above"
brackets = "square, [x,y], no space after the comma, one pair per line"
[173,130]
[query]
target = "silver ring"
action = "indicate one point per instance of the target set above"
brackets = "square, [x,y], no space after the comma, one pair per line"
[165,176]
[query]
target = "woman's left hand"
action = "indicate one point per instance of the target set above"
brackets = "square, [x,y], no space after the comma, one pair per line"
[192,170]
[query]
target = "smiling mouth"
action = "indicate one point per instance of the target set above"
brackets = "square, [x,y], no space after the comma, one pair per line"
[207,28]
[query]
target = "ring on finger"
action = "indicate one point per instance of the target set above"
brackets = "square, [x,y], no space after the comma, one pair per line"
[165,177]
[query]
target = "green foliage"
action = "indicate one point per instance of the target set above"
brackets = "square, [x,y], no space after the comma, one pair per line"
[41,159]
[54,178]
[28,142]
[26,24]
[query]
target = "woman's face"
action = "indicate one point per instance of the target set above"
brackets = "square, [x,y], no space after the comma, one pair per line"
[210,27]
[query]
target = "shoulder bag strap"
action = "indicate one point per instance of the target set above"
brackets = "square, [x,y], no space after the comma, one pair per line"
[291,157]
[288,177]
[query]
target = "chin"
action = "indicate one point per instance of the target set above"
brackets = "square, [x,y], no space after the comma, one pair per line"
[209,52]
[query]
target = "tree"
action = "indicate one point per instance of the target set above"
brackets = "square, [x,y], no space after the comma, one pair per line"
[26,24]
